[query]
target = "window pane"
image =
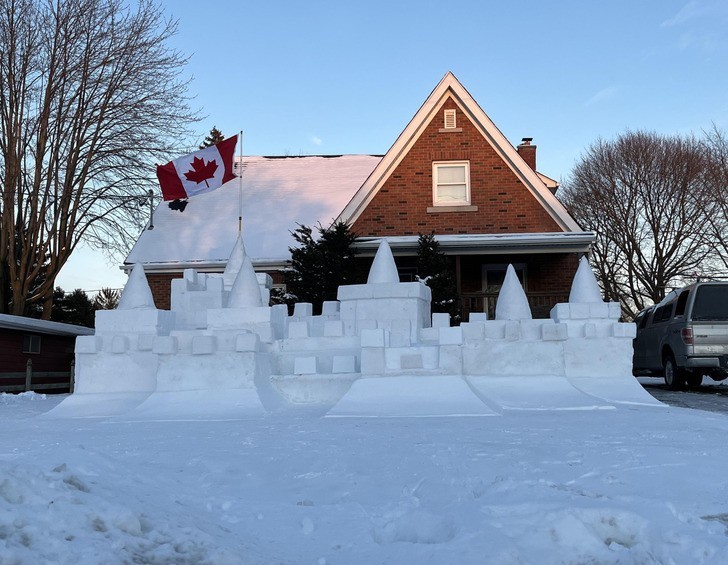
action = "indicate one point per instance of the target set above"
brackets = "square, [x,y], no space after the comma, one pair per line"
[711,303]
[451,193]
[454,174]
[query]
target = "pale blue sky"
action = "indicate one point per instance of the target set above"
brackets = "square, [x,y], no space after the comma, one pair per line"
[342,77]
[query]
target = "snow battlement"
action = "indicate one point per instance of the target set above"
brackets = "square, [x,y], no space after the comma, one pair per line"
[219,335]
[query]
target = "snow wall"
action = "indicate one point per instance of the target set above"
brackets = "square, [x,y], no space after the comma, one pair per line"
[376,351]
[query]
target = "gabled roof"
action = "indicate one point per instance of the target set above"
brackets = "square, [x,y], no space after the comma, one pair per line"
[448,87]
[278,194]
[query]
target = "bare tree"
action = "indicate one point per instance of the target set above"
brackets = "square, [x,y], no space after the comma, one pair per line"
[716,205]
[642,193]
[91,95]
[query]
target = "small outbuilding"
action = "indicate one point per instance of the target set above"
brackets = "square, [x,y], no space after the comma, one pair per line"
[37,355]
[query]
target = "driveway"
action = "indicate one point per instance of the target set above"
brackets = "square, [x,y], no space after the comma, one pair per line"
[712,397]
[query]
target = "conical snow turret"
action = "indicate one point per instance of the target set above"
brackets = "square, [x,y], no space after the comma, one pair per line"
[136,293]
[245,291]
[235,261]
[384,269]
[512,302]
[584,288]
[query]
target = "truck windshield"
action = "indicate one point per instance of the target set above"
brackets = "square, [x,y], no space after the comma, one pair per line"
[711,303]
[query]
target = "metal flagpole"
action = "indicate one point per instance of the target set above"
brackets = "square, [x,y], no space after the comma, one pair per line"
[240,180]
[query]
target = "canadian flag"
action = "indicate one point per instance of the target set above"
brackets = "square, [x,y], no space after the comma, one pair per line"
[199,172]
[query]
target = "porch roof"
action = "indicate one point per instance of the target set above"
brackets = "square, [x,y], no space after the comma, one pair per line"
[487,244]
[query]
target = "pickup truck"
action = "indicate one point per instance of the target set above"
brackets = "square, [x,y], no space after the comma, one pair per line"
[685,336]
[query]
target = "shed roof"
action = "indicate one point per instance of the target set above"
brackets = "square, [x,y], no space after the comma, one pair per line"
[20,323]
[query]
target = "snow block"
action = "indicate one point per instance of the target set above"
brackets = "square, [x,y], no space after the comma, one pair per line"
[410,361]
[554,332]
[441,320]
[512,331]
[88,344]
[297,330]
[143,320]
[246,341]
[373,338]
[305,366]
[145,342]
[560,312]
[333,328]
[164,345]
[532,329]
[579,310]
[119,344]
[615,310]
[372,361]
[600,357]
[451,359]
[451,336]
[495,329]
[590,331]
[473,331]
[628,330]
[203,344]
[302,310]
[509,358]
[344,364]
[478,317]
[429,334]
[598,310]
[330,308]
[400,338]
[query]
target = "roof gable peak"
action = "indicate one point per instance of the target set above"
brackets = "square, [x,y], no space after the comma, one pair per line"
[450,85]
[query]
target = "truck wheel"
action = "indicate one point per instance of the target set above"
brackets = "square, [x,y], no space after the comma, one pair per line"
[695,380]
[674,377]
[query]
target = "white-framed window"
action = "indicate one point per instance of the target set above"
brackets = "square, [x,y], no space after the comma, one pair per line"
[451,183]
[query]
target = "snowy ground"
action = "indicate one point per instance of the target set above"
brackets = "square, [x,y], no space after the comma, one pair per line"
[632,485]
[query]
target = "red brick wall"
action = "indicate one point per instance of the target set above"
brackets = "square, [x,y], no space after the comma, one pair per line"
[161,285]
[552,273]
[504,204]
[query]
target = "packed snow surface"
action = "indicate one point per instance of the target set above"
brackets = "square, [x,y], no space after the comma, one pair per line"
[634,484]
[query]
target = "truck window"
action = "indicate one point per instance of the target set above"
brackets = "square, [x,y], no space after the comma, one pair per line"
[681,302]
[663,313]
[711,302]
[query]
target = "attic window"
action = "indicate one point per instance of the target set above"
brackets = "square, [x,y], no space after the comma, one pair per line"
[451,183]
[450,122]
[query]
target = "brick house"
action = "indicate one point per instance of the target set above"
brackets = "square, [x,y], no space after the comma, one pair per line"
[450,171]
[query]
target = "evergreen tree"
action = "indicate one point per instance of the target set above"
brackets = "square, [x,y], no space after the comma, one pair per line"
[72,308]
[320,265]
[107,299]
[213,138]
[434,269]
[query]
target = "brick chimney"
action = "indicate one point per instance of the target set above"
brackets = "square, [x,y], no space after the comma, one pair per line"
[527,152]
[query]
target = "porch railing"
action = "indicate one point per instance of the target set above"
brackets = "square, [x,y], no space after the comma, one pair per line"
[540,303]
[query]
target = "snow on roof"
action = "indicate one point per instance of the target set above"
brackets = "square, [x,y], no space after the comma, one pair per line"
[278,194]
[41,326]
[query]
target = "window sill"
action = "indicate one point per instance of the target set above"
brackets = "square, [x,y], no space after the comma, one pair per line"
[450,130]
[461,208]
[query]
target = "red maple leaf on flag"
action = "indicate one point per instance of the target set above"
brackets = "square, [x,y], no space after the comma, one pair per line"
[200,171]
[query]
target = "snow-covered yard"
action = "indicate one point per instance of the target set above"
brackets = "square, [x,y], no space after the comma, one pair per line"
[632,485]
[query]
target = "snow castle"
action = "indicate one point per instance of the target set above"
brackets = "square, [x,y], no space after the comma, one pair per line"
[376,351]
